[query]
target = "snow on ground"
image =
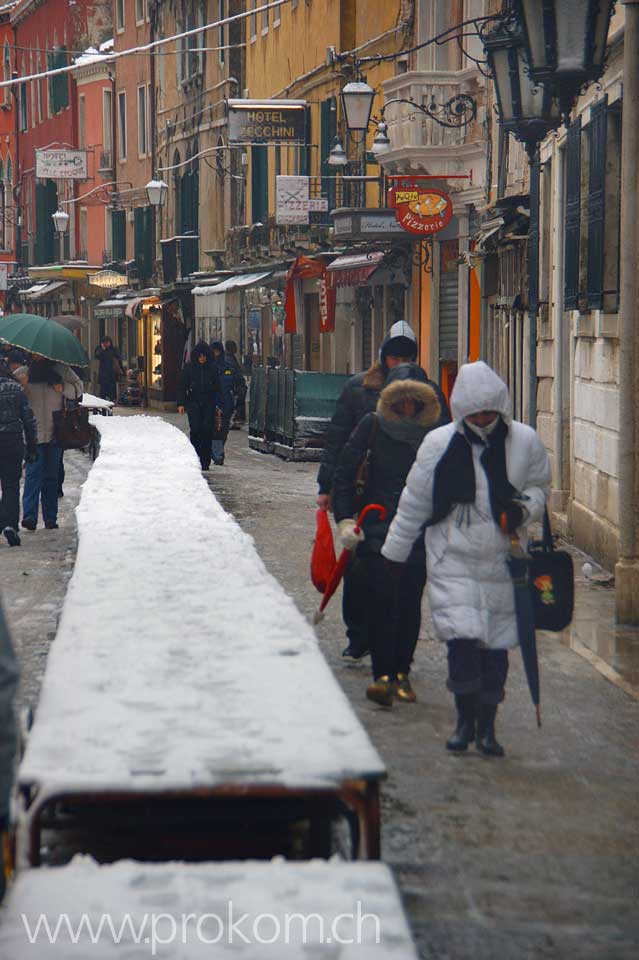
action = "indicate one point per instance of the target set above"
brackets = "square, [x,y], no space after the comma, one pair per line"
[96,403]
[179,660]
[256,910]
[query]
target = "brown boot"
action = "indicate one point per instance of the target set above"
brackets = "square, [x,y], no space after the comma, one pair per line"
[404,689]
[382,691]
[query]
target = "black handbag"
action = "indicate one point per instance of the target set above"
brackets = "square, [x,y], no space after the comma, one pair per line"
[71,427]
[552,582]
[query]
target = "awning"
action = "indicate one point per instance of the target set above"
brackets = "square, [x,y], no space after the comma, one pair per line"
[112,304]
[41,291]
[241,281]
[353,269]
[488,228]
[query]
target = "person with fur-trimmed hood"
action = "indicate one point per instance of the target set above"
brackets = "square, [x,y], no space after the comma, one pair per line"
[473,478]
[408,407]
[359,397]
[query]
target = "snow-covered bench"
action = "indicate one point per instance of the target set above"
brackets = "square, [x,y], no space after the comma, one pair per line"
[184,673]
[97,404]
[257,911]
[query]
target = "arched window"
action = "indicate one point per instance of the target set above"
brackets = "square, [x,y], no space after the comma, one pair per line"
[9,171]
[6,70]
[3,209]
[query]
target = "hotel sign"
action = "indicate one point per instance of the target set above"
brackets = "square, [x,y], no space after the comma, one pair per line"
[266,121]
[61,164]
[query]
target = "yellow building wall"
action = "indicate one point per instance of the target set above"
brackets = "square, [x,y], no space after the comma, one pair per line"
[288,60]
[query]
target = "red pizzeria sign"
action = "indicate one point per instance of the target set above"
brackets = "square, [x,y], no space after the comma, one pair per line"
[421,209]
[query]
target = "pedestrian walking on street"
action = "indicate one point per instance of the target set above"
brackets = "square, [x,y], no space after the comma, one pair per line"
[359,397]
[239,414]
[387,442]
[232,386]
[109,370]
[49,385]
[18,433]
[198,395]
[470,476]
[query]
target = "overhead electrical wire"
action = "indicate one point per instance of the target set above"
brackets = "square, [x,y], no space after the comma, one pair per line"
[146,47]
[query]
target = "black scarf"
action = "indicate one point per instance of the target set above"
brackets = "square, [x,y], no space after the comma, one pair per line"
[454,480]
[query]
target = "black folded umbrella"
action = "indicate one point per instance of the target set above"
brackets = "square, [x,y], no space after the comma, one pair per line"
[519,566]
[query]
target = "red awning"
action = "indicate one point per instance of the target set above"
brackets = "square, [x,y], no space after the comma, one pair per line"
[354,269]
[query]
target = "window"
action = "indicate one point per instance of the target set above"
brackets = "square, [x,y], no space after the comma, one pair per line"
[143,241]
[33,84]
[140,11]
[58,84]
[84,235]
[253,20]
[40,92]
[82,121]
[24,109]
[122,124]
[277,16]
[596,203]
[142,123]
[573,216]
[119,15]
[221,30]
[259,184]
[107,129]
[265,18]
[3,242]
[6,71]
[118,234]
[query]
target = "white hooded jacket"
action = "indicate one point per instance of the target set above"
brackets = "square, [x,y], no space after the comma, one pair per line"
[469,586]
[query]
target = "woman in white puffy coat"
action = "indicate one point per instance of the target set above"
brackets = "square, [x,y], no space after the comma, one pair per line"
[472,477]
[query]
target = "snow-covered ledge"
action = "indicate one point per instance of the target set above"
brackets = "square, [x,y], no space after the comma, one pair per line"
[179,660]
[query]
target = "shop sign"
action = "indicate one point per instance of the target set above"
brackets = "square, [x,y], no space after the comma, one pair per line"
[266,121]
[61,164]
[421,210]
[293,203]
[327,302]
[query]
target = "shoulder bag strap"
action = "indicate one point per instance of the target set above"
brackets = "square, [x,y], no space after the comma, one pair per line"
[547,539]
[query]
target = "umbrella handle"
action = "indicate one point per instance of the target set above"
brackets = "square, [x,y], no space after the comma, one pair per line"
[369,508]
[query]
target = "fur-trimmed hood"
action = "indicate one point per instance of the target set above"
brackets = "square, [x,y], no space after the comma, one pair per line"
[422,393]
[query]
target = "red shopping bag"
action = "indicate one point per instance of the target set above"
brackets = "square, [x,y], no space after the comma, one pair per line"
[323,556]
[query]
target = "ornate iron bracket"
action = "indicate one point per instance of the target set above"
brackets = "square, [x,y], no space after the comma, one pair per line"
[457,112]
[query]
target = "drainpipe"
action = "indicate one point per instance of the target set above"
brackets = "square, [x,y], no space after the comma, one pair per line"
[627,568]
[17,190]
[558,326]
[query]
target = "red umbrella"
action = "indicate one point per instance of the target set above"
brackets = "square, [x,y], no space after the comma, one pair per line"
[343,561]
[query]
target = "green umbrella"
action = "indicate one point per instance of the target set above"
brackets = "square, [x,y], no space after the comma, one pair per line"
[43,336]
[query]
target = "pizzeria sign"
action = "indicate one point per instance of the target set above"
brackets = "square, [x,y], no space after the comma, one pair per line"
[421,209]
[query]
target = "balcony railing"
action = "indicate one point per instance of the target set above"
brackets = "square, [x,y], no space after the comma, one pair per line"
[408,128]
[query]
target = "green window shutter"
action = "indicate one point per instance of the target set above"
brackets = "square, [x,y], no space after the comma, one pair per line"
[40,213]
[118,234]
[259,184]
[143,231]
[46,205]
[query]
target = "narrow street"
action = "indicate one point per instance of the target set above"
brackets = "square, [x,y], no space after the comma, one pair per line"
[532,856]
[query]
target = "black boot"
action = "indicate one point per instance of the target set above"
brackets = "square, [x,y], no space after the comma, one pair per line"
[465,730]
[486,742]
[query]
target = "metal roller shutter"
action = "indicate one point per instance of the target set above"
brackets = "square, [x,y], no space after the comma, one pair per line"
[448,299]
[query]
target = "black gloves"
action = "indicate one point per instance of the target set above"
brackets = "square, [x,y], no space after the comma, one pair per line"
[31,455]
[514,516]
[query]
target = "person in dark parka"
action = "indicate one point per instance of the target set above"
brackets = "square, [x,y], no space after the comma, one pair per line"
[407,409]
[198,394]
[359,397]
[17,430]
[232,385]
[110,368]
[239,415]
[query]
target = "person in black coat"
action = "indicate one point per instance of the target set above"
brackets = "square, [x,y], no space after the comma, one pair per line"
[17,430]
[407,409]
[232,386]
[110,368]
[198,395]
[359,397]
[239,416]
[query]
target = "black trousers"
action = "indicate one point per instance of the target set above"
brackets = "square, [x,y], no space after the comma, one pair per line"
[393,609]
[201,432]
[354,602]
[11,454]
[108,389]
[474,669]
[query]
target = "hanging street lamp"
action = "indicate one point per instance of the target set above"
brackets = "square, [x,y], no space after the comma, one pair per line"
[565,43]
[357,103]
[527,109]
[156,191]
[381,141]
[337,157]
